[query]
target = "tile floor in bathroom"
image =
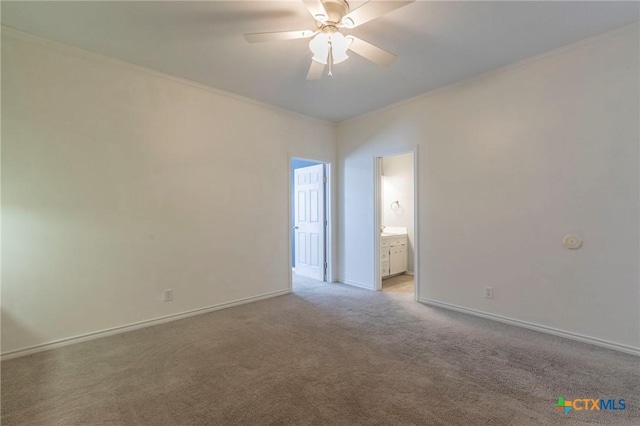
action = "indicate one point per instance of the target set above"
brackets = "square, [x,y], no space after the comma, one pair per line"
[398,284]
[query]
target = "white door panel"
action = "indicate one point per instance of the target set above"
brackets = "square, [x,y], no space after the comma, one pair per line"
[309,221]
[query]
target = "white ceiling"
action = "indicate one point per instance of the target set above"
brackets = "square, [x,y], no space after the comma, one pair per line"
[437,43]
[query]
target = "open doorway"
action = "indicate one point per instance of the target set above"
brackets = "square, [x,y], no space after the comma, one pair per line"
[310,220]
[396,223]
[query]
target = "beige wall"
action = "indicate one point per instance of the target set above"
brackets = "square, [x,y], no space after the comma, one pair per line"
[118,183]
[509,163]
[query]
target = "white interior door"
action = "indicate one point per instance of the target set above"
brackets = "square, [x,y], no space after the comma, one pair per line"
[309,221]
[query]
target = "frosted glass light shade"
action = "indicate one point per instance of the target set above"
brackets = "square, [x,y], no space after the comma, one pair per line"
[321,44]
[339,47]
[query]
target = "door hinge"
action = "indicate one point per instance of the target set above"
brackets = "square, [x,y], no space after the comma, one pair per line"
[326,222]
[325,265]
[324,179]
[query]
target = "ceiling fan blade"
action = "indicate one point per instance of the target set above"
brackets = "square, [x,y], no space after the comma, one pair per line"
[315,70]
[373,53]
[279,35]
[372,10]
[316,9]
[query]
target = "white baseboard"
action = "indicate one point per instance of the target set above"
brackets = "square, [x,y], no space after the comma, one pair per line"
[537,327]
[355,284]
[136,325]
[409,273]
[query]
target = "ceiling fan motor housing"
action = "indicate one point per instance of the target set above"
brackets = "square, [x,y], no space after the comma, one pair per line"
[336,9]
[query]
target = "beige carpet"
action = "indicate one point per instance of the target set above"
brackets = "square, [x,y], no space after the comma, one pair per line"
[398,284]
[327,355]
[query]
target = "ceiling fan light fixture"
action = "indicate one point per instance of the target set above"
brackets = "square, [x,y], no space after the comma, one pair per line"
[319,45]
[328,45]
[335,43]
[339,57]
[339,46]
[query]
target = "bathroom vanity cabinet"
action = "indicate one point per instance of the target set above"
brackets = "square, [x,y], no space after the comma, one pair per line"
[393,255]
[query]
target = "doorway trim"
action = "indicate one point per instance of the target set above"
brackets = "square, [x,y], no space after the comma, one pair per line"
[377,215]
[329,214]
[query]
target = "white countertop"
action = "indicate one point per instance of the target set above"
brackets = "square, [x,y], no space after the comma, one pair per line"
[390,231]
[389,234]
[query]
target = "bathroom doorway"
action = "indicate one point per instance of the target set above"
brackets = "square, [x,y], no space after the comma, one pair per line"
[396,222]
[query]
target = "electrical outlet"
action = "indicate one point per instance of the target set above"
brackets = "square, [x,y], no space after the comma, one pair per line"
[488,292]
[168,295]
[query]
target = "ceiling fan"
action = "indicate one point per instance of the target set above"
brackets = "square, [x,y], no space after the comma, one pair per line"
[329,45]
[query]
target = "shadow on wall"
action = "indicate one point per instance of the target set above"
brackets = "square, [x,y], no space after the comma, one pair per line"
[15,335]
